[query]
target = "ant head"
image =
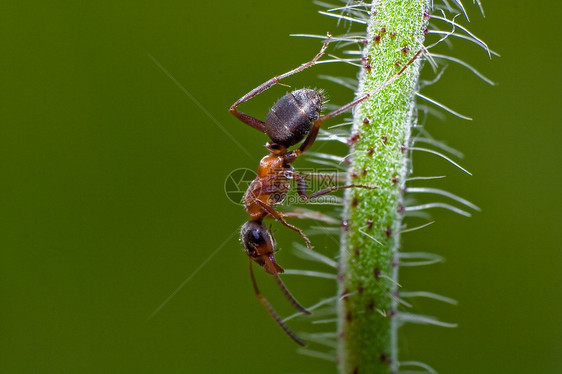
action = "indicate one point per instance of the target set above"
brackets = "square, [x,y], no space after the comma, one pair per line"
[290,119]
[260,245]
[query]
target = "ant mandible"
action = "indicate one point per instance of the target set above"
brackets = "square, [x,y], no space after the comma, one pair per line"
[294,117]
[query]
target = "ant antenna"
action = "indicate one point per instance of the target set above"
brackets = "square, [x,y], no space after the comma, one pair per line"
[272,311]
[289,296]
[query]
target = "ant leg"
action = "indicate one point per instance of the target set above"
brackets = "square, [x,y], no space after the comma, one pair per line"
[254,122]
[301,188]
[249,120]
[311,214]
[279,216]
[316,127]
[272,311]
[336,188]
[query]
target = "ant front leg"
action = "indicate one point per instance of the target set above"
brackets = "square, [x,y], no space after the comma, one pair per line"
[279,216]
[254,122]
[301,188]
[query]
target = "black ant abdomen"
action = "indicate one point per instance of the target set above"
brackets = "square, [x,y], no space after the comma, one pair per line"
[290,119]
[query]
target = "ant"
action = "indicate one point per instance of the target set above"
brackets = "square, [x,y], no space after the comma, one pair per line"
[294,117]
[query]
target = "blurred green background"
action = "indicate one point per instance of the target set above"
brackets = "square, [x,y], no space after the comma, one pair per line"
[112,190]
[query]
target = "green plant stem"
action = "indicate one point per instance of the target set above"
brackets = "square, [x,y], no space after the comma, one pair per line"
[367,310]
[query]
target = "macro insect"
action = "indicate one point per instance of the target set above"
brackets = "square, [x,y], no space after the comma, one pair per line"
[294,118]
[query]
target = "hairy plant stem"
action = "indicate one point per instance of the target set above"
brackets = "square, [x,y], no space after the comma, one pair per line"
[368,318]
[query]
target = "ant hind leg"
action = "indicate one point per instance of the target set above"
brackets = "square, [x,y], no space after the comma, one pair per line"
[316,127]
[254,122]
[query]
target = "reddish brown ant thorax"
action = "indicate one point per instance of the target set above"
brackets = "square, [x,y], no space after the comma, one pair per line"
[270,186]
[270,164]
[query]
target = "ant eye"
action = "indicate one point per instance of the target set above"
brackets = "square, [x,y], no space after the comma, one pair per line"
[255,237]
